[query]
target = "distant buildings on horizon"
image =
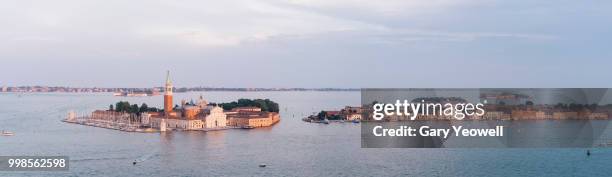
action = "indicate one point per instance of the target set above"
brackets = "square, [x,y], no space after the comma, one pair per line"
[44,89]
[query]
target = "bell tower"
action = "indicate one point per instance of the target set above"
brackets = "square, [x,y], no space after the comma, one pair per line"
[168,95]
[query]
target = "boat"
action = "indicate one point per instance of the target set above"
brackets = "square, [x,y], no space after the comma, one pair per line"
[247,127]
[133,94]
[588,153]
[355,121]
[137,94]
[7,133]
[325,121]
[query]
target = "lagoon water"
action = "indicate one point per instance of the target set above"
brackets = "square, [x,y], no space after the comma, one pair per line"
[290,148]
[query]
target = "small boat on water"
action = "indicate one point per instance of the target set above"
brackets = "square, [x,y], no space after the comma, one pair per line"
[325,121]
[588,152]
[7,133]
[355,121]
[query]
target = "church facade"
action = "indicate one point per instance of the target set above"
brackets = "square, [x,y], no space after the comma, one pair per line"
[192,116]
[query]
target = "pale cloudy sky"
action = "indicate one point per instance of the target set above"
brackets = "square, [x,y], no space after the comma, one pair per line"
[307,43]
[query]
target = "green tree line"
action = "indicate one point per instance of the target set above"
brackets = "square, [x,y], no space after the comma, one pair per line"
[124,106]
[265,104]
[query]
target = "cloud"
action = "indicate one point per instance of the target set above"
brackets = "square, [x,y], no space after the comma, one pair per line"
[247,21]
[411,35]
[232,22]
[290,38]
[35,39]
[259,21]
[387,7]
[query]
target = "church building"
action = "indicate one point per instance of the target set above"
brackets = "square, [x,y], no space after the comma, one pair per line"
[189,116]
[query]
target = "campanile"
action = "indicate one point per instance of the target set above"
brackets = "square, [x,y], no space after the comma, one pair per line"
[168,95]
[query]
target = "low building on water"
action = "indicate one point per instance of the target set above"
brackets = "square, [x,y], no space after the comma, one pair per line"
[251,117]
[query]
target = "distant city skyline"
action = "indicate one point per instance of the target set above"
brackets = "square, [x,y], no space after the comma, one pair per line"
[152,91]
[306,43]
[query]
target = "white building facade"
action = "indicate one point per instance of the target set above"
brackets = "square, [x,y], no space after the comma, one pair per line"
[215,117]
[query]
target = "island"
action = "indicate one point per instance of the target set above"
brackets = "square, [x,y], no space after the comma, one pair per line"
[188,116]
[505,107]
[349,113]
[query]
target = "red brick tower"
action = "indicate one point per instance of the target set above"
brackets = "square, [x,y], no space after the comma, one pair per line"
[168,107]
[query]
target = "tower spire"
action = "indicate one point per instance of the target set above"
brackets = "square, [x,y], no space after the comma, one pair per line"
[168,77]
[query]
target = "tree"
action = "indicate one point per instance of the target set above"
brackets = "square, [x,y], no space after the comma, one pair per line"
[122,106]
[134,108]
[593,106]
[322,115]
[143,108]
[111,108]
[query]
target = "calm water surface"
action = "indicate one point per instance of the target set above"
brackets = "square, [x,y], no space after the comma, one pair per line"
[290,148]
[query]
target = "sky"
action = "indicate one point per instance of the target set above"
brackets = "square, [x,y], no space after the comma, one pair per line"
[306,43]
